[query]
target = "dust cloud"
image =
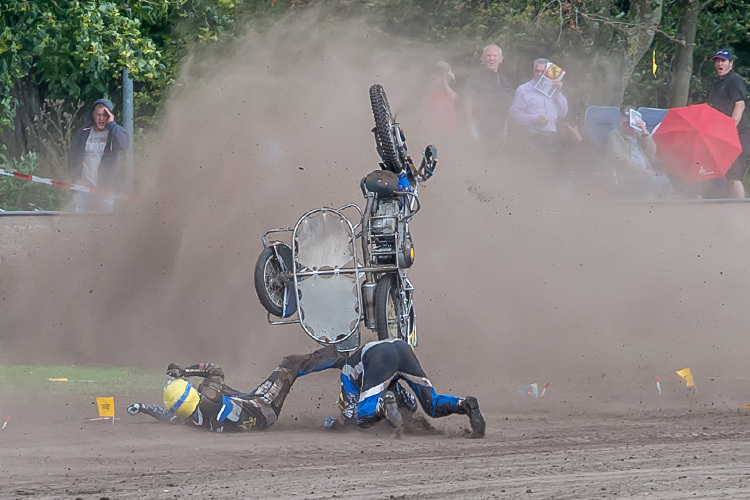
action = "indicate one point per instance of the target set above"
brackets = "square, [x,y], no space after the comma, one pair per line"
[515,283]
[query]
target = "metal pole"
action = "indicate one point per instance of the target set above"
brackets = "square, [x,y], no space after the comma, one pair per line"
[127,122]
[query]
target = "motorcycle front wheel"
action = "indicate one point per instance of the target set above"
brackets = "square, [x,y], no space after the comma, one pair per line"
[388,135]
[388,310]
[270,287]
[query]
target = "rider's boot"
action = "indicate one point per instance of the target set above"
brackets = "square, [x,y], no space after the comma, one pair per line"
[404,398]
[476,419]
[390,410]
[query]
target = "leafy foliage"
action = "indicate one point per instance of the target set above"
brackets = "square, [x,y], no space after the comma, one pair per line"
[76,49]
[19,194]
[73,51]
[721,24]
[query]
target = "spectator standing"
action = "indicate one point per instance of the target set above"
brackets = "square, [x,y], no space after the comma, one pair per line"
[486,98]
[536,111]
[439,110]
[728,96]
[93,158]
[536,115]
[634,152]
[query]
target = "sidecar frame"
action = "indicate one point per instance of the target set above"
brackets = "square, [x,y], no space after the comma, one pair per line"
[328,273]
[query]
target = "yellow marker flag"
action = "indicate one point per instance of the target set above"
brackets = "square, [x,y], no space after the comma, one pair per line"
[686,375]
[107,407]
[653,63]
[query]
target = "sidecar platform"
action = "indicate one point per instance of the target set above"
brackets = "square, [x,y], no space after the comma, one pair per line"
[326,278]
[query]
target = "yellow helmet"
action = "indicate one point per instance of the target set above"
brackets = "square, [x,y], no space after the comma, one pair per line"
[180,397]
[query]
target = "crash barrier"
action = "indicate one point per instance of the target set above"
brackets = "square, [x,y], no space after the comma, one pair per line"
[65,185]
[24,236]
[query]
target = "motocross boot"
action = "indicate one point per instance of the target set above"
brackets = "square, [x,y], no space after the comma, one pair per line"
[404,398]
[476,419]
[390,410]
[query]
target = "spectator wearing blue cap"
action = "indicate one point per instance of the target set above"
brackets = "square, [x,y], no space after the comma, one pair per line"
[93,158]
[728,96]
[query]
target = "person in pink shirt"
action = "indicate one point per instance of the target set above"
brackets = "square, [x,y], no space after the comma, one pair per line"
[534,110]
[439,111]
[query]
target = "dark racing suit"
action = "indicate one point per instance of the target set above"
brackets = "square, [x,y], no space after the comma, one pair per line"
[223,409]
[376,368]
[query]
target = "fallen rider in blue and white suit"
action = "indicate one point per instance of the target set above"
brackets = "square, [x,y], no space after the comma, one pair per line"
[370,389]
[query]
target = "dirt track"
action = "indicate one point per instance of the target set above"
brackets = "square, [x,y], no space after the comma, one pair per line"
[513,285]
[668,454]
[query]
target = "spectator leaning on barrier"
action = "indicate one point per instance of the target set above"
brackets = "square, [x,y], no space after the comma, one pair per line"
[486,97]
[93,159]
[633,152]
[728,96]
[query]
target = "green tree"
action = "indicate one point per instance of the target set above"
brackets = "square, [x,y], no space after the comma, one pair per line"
[75,50]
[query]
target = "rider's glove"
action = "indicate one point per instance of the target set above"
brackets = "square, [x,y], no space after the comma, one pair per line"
[134,409]
[174,370]
[332,424]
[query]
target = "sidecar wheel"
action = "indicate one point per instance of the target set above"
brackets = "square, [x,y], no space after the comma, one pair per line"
[270,286]
[387,308]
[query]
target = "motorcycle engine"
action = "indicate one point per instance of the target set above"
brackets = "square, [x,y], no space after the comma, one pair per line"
[387,218]
[388,234]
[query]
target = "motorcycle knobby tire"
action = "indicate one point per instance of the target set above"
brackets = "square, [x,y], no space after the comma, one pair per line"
[268,286]
[385,130]
[388,308]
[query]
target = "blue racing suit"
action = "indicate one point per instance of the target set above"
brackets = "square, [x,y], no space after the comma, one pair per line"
[378,367]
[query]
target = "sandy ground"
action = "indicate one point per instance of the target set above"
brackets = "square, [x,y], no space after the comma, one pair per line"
[542,452]
[515,284]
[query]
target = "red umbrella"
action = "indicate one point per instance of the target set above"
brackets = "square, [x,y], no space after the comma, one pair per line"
[697,142]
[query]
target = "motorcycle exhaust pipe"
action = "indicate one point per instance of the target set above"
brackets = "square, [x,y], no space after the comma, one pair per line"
[368,297]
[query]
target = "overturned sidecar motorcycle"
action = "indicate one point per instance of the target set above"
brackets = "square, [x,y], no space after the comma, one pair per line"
[332,273]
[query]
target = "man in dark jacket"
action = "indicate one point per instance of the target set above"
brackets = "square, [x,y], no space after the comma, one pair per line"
[217,407]
[93,159]
[728,96]
[486,98]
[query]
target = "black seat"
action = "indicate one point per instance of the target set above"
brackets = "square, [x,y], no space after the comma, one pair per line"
[381,182]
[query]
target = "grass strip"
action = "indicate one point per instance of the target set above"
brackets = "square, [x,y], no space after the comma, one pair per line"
[61,380]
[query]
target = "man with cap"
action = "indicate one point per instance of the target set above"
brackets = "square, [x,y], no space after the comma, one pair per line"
[216,407]
[93,158]
[728,96]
